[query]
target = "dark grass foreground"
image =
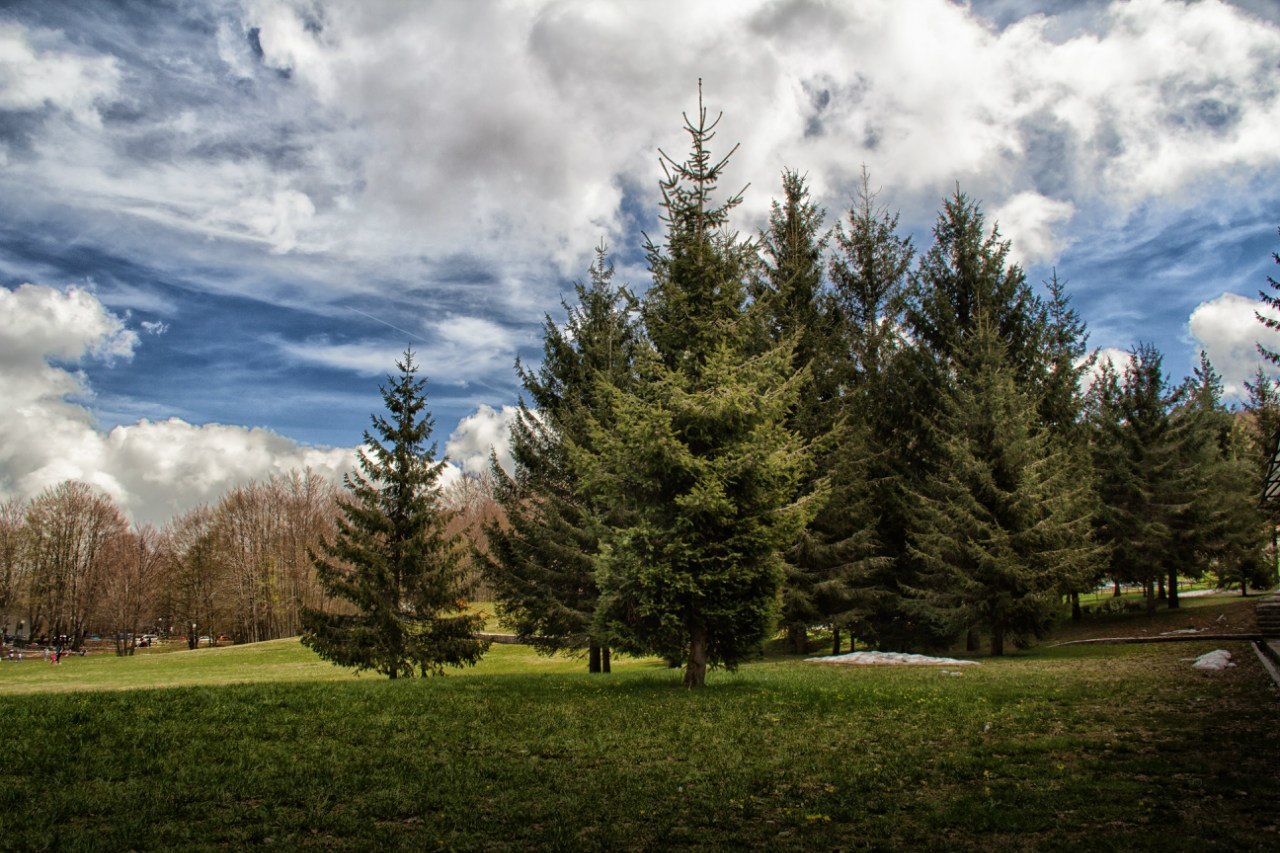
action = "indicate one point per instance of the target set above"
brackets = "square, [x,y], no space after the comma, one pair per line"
[1098,748]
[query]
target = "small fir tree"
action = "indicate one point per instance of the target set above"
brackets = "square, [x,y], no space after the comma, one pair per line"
[391,559]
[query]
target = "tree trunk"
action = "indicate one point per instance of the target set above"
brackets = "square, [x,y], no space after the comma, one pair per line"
[797,639]
[1160,595]
[695,671]
[997,640]
[1173,589]
[606,659]
[593,657]
[835,639]
[971,640]
[1149,590]
[1116,594]
[1076,613]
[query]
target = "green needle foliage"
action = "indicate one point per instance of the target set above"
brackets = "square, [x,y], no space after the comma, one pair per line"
[1007,517]
[541,556]
[391,560]
[697,456]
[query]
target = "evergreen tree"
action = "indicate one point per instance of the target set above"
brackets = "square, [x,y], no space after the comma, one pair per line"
[789,296]
[1137,450]
[1222,526]
[541,557]
[966,274]
[869,273]
[964,277]
[860,525]
[1006,517]
[391,559]
[697,455]
[1058,386]
[1263,408]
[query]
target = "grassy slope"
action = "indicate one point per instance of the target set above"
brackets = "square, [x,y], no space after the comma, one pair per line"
[1120,747]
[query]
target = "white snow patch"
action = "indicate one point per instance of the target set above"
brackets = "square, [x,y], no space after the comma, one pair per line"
[1215,660]
[890,659]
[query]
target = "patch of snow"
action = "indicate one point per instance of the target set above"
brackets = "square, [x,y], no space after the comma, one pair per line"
[890,659]
[1182,631]
[1215,660]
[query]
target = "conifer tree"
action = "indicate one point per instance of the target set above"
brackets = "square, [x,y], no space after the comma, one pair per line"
[966,274]
[1005,518]
[1221,526]
[697,455]
[852,539]
[1137,451]
[790,299]
[391,559]
[1058,386]
[541,557]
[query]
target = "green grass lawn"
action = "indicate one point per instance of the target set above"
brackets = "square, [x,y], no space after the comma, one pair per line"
[1083,747]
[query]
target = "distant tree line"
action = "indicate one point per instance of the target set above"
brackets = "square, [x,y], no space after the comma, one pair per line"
[72,566]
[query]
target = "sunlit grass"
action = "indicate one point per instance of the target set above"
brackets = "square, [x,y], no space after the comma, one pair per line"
[1083,747]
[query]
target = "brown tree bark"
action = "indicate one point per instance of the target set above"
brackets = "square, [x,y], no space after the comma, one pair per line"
[695,671]
[997,640]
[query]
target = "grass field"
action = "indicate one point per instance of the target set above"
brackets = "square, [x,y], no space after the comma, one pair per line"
[1075,747]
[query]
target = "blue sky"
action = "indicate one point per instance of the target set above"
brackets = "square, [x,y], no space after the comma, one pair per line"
[223,220]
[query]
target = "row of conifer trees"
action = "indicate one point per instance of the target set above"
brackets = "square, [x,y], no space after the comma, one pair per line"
[826,427]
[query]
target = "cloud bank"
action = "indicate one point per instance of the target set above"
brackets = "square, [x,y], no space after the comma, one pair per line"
[152,469]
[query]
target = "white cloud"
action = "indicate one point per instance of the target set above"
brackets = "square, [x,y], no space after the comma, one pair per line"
[1034,224]
[1228,331]
[1118,359]
[478,434]
[153,469]
[461,349]
[33,74]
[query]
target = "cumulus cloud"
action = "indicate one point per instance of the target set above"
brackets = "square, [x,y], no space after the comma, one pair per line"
[487,430]
[1034,223]
[153,469]
[1117,358]
[1229,332]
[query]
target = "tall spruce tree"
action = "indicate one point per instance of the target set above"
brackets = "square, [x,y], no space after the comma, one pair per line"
[541,556]
[1058,386]
[965,276]
[1006,517]
[697,455]
[1141,473]
[391,559]
[858,528]
[789,296]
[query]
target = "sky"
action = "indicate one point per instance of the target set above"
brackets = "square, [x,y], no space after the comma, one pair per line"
[223,221]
